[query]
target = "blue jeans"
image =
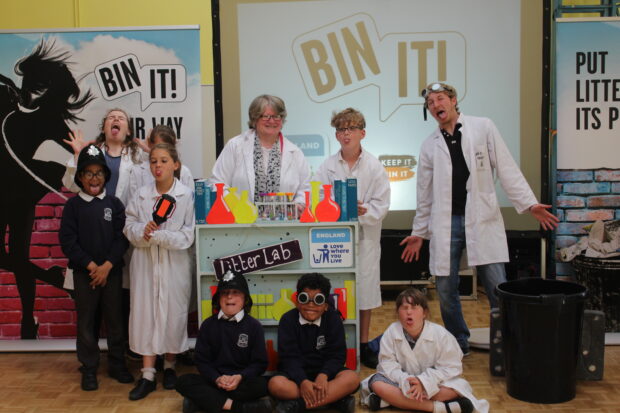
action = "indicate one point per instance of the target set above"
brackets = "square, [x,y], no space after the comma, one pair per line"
[448,287]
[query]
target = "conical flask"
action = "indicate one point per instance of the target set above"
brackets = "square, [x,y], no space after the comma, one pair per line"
[219,212]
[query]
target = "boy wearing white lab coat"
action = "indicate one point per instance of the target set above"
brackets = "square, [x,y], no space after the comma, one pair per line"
[373,198]
[420,365]
[457,205]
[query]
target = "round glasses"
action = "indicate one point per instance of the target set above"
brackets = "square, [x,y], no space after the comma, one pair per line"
[90,175]
[304,298]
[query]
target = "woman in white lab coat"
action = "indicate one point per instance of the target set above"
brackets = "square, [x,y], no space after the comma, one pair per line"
[160,270]
[419,365]
[261,159]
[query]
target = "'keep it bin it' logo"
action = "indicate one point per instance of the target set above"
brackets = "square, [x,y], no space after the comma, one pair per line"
[398,167]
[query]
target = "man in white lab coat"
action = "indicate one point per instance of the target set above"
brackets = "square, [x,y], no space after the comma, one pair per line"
[457,205]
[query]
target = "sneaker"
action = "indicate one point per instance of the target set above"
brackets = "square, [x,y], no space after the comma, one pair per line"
[464,403]
[89,381]
[345,405]
[290,406]
[368,357]
[262,405]
[170,379]
[189,406]
[374,402]
[466,351]
[142,389]
[121,375]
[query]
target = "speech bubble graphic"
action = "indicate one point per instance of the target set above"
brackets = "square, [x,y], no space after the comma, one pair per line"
[348,54]
[155,83]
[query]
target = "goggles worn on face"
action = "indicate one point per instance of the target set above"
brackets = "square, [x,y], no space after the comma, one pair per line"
[304,298]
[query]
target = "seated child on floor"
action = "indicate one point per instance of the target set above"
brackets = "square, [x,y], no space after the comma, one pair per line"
[312,353]
[419,365]
[230,355]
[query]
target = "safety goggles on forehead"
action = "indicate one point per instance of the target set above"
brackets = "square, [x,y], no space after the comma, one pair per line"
[304,298]
[436,87]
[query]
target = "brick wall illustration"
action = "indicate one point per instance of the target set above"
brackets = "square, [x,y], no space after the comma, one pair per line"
[584,196]
[54,308]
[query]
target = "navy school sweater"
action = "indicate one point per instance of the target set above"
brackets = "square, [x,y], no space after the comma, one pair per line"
[309,348]
[230,347]
[93,231]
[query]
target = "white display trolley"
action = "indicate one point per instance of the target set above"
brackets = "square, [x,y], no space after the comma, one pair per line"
[328,248]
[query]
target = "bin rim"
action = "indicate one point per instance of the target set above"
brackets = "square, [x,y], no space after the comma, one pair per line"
[542,298]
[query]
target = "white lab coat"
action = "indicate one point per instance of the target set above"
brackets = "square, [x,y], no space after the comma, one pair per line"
[373,189]
[160,273]
[486,156]
[235,167]
[435,361]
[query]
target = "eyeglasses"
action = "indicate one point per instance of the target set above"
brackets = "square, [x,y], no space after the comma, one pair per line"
[114,117]
[269,117]
[91,175]
[349,129]
[436,87]
[304,298]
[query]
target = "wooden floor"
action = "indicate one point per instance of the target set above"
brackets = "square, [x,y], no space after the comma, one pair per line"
[50,382]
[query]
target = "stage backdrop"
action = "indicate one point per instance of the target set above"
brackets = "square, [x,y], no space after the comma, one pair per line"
[376,56]
[588,125]
[56,81]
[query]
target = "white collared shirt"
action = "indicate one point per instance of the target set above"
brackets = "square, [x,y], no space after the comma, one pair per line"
[303,321]
[89,198]
[237,317]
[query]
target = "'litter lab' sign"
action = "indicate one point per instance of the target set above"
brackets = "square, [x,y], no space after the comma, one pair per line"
[331,247]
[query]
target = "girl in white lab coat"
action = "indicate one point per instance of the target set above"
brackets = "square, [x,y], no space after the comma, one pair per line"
[261,159]
[160,270]
[419,365]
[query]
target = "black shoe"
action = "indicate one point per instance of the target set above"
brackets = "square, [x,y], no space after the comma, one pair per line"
[374,402]
[142,389]
[133,356]
[368,357]
[463,402]
[170,379]
[466,351]
[262,405]
[89,381]
[189,406]
[345,405]
[121,375]
[290,406]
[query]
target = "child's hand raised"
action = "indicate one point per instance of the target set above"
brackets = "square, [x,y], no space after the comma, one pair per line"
[148,230]
[416,391]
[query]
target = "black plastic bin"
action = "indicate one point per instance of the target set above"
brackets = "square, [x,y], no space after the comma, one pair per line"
[541,330]
[602,279]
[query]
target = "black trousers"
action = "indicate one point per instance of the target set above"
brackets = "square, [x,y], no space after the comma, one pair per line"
[211,398]
[87,300]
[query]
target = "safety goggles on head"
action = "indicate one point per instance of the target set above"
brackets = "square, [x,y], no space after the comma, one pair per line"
[433,88]
[436,87]
[304,298]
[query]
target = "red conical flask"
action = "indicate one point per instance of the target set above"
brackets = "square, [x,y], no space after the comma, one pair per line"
[327,210]
[219,212]
[307,215]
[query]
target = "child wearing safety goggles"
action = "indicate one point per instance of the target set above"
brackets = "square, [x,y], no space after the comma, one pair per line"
[312,353]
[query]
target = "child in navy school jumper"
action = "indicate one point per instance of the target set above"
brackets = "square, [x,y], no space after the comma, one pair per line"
[91,236]
[230,355]
[312,352]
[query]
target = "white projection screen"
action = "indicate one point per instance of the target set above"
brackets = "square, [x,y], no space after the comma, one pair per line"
[376,56]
